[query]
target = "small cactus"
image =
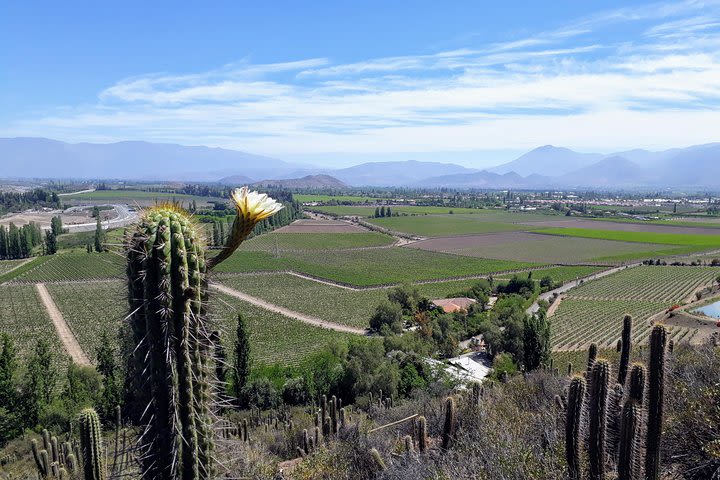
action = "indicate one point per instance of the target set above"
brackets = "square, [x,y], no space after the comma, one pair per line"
[628,462]
[90,443]
[626,344]
[573,420]
[408,444]
[597,413]
[656,387]
[422,434]
[449,426]
[378,462]
[42,466]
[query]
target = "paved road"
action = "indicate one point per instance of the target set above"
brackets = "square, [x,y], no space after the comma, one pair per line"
[89,190]
[125,216]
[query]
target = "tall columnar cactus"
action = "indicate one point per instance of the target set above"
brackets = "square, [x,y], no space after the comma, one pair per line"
[91,446]
[614,415]
[630,422]
[422,434]
[592,355]
[637,383]
[573,420]
[42,466]
[656,387]
[625,349]
[167,289]
[597,414]
[450,421]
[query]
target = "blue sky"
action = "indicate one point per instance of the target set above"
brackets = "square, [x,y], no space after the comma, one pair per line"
[336,83]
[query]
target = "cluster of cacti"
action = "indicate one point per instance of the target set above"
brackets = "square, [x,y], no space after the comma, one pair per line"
[615,416]
[55,460]
[167,288]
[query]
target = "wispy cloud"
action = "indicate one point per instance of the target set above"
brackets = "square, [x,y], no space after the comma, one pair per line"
[587,84]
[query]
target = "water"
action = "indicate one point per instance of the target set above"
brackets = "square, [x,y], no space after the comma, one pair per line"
[712,310]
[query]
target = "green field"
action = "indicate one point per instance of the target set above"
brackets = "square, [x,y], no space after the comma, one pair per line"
[25,267]
[70,266]
[316,241]
[24,319]
[8,265]
[137,196]
[698,241]
[369,267]
[369,211]
[445,225]
[655,283]
[274,338]
[559,274]
[91,308]
[557,249]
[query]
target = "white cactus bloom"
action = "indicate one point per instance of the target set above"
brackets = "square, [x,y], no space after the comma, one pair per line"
[254,206]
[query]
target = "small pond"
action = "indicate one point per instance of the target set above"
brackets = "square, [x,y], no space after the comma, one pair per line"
[711,310]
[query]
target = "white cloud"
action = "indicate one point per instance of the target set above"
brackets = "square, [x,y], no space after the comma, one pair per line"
[610,92]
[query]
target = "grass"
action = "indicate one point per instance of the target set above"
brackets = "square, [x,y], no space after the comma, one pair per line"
[316,241]
[369,267]
[699,241]
[25,320]
[444,225]
[71,266]
[90,309]
[274,338]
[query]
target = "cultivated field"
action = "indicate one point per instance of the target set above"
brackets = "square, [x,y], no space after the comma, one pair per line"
[369,211]
[445,225]
[563,274]
[91,308]
[320,226]
[274,338]
[71,266]
[369,267]
[8,265]
[273,242]
[24,319]
[628,226]
[535,247]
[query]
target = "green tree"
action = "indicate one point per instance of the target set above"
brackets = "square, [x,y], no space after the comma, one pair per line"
[241,368]
[388,317]
[387,212]
[8,368]
[111,383]
[50,242]
[99,236]
[382,211]
[377,212]
[536,341]
[41,380]
[56,225]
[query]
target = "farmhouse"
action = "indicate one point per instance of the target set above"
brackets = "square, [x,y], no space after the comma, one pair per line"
[452,305]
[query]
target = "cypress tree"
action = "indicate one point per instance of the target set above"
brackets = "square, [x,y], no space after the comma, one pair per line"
[536,341]
[99,235]
[241,370]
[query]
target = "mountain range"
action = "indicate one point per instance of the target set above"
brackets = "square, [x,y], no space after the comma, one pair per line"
[544,167]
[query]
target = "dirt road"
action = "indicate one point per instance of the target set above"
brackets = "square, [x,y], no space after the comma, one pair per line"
[63,330]
[284,311]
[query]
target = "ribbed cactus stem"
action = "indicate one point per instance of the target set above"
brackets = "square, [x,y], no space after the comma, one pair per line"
[91,445]
[592,356]
[41,466]
[378,461]
[636,389]
[334,414]
[305,440]
[625,349]
[656,391]
[408,443]
[54,450]
[628,462]
[422,434]
[597,413]
[342,417]
[450,421]
[573,420]
[614,418]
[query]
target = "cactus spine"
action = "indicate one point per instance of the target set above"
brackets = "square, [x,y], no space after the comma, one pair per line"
[422,434]
[592,355]
[449,426]
[573,416]
[625,349]
[627,464]
[656,385]
[637,383]
[90,444]
[597,413]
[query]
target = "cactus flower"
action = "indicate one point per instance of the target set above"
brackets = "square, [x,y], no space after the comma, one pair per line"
[252,207]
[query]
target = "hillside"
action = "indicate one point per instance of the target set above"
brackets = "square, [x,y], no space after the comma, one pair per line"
[309,181]
[396,173]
